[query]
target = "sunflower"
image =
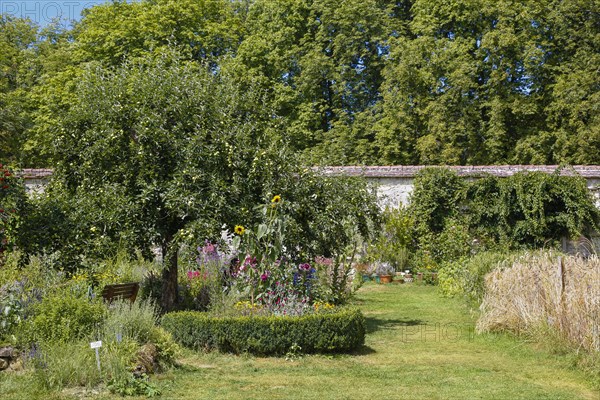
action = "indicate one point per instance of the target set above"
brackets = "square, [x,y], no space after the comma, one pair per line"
[239,229]
[276,199]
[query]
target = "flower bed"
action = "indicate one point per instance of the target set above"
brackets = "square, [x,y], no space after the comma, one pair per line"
[334,332]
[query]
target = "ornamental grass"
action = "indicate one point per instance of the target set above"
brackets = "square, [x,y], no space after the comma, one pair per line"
[534,297]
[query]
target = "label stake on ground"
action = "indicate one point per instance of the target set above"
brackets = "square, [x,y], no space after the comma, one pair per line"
[96,346]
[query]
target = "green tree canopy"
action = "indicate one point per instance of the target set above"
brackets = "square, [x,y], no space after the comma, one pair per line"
[357,82]
[162,150]
[16,36]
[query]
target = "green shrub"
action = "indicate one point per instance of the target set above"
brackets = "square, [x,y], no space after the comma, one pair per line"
[437,196]
[466,276]
[342,331]
[137,322]
[13,204]
[62,317]
[530,208]
[22,287]
[134,386]
[167,348]
[395,240]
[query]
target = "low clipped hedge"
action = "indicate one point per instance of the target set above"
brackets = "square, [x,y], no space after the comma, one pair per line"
[337,332]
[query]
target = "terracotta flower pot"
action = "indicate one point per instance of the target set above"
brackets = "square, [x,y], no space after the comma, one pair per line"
[385,278]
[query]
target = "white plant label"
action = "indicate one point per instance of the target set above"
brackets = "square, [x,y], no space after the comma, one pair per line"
[95,345]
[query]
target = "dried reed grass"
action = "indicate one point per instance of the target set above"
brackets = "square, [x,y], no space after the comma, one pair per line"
[530,296]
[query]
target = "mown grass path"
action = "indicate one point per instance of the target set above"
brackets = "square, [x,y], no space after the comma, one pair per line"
[419,346]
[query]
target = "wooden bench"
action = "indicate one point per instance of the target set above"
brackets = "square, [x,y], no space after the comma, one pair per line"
[121,291]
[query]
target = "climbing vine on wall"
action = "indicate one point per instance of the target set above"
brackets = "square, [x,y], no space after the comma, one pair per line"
[528,209]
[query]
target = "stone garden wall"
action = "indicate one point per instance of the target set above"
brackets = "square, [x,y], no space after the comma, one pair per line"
[394,183]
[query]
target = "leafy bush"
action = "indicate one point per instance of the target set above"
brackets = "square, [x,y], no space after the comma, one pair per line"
[455,217]
[340,331]
[395,240]
[437,196]
[15,304]
[530,209]
[21,288]
[135,321]
[132,386]
[13,202]
[465,276]
[62,317]
[167,348]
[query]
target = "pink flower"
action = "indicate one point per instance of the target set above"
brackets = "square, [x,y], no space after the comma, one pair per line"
[209,248]
[304,267]
[323,260]
[193,274]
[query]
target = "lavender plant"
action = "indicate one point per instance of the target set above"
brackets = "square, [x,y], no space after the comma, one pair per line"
[203,283]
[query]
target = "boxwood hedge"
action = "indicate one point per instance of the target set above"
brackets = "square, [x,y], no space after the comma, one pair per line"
[337,332]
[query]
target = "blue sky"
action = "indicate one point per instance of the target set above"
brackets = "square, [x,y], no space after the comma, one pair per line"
[43,11]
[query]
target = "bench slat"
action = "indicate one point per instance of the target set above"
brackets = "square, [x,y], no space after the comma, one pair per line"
[121,290]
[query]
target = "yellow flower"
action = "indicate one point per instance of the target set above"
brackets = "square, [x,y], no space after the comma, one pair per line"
[239,229]
[276,199]
[325,306]
[79,278]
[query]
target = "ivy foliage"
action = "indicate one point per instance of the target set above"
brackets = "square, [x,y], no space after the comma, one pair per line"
[527,209]
[533,208]
[437,196]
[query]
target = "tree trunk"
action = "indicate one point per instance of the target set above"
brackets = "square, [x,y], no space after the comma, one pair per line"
[169,296]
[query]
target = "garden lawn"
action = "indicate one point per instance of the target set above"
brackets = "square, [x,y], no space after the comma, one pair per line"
[419,346]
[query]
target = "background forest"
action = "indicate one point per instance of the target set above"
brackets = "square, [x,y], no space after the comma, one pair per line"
[351,82]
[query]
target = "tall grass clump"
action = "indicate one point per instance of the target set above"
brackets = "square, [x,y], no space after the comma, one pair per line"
[529,297]
[60,365]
